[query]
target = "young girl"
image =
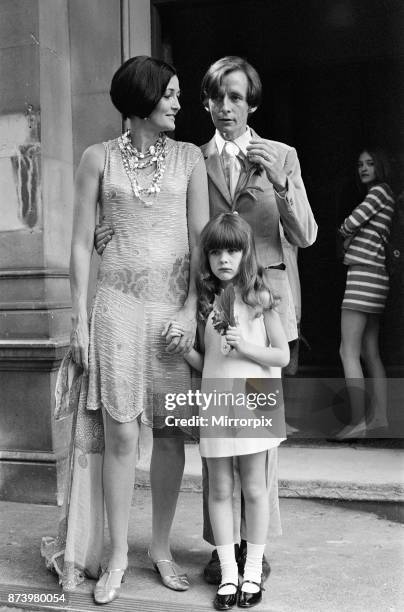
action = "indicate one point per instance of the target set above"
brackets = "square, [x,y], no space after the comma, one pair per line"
[366,232]
[256,348]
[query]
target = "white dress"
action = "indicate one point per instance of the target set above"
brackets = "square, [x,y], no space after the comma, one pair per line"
[228,372]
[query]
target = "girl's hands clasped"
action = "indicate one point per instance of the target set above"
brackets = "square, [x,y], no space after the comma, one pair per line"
[261,151]
[235,338]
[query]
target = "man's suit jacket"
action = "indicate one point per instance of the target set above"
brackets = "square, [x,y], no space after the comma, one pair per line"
[257,202]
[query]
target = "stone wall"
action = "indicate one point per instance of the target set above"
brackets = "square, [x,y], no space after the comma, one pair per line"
[56,62]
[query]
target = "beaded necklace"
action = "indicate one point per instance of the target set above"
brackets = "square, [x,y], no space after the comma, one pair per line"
[134,160]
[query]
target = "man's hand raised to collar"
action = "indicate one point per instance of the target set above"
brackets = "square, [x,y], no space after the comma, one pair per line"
[263,152]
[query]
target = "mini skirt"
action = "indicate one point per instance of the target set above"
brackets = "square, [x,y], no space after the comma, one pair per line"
[366,289]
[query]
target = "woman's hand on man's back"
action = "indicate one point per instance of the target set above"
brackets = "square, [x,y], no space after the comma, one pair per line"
[102,235]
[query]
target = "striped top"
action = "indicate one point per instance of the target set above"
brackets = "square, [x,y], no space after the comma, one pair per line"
[368,226]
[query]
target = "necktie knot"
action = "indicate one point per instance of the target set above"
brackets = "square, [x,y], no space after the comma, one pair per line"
[231,166]
[230,149]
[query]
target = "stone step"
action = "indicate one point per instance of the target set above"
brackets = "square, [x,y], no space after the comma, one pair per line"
[353,472]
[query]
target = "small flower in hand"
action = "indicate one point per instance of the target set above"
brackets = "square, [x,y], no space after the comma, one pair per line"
[223,312]
[235,338]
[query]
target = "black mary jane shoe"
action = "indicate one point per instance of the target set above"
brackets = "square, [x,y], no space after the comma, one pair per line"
[248,600]
[225,602]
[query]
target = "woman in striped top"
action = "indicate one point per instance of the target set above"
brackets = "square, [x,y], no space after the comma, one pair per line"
[366,232]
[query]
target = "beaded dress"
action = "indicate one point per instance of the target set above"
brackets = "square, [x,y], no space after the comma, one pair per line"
[142,282]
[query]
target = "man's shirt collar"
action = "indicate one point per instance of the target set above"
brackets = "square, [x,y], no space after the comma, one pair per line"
[242,141]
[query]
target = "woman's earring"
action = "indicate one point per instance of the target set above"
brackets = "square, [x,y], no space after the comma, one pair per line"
[145,118]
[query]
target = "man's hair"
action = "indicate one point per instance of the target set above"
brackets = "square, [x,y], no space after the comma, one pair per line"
[139,84]
[213,79]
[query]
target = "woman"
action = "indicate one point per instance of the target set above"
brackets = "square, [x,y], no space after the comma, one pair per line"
[153,192]
[265,187]
[366,232]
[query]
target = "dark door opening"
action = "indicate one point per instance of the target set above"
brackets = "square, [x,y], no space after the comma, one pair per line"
[332,74]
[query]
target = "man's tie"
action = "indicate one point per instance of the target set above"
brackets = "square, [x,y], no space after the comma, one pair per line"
[231,166]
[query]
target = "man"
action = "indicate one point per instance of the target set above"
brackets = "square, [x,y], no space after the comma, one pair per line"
[259,179]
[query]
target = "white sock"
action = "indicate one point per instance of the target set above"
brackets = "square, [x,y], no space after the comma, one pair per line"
[228,567]
[253,567]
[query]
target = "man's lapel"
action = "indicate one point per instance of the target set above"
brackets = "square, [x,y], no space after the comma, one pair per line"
[252,180]
[215,170]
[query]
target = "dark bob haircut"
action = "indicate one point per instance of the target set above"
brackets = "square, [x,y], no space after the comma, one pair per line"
[138,85]
[381,162]
[213,79]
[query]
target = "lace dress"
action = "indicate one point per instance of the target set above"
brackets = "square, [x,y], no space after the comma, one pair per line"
[142,282]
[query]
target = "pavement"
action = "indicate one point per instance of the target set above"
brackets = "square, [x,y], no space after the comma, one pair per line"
[332,557]
[335,555]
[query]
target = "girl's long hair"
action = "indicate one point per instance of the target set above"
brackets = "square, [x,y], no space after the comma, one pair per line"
[382,165]
[230,231]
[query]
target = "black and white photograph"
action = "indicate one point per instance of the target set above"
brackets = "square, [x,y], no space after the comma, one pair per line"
[201,305]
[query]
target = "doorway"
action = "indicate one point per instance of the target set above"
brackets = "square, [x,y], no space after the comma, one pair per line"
[332,73]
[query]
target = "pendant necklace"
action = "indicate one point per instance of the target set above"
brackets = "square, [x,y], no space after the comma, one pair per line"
[134,160]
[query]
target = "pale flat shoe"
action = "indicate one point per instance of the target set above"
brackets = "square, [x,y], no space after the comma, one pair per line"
[107,592]
[168,572]
[377,429]
[352,431]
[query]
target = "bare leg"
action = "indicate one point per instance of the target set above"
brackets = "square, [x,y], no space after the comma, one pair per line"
[254,485]
[353,325]
[166,470]
[118,476]
[221,483]
[253,473]
[376,371]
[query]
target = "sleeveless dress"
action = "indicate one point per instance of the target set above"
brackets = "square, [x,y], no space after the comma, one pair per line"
[227,373]
[142,282]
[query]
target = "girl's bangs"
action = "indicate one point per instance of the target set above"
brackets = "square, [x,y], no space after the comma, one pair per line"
[225,236]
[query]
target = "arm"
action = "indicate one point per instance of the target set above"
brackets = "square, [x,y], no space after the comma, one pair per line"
[290,194]
[275,355]
[85,205]
[376,199]
[297,217]
[198,216]
[193,357]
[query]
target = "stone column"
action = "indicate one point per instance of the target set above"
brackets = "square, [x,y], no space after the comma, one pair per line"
[36,183]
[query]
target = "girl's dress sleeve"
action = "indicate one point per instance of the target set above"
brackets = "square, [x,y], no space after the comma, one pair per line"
[377,198]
